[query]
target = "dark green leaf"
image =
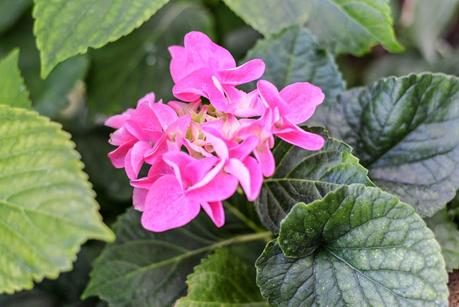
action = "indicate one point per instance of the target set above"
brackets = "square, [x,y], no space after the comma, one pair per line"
[294,56]
[222,279]
[281,14]
[13,92]
[358,246]
[447,235]
[49,96]
[116,84]
[304,176]
[406,132]
[67,28]
[47,205]
[353,26]
[149,269]
[10,11]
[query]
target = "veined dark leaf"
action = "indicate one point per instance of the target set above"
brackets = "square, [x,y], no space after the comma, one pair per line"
[304,176]
[143,268]
[358,246]
[406,132]
[295,56]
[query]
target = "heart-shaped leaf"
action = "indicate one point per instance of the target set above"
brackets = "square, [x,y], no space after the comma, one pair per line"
[303,175]
[406,132]
[47,206]
[356,246]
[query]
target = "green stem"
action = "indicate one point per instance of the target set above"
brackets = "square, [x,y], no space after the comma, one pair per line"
[235,211]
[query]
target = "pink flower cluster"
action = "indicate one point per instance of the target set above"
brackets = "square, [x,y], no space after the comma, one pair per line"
[200,149]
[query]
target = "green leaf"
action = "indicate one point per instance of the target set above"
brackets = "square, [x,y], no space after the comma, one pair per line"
[353,26]
[358,246]
[10,11]
[280,16]
[428,21]
[303,175]
[47,207]
[67,28]
[447,235]
[115,85]
[12,89]
[49,96]
[295,56]
[143,268]
[222,279]
[406,132]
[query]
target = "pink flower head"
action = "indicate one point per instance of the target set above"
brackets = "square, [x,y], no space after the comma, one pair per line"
[204,69]
[198,153]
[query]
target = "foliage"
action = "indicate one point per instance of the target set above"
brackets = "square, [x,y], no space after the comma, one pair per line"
[370,219]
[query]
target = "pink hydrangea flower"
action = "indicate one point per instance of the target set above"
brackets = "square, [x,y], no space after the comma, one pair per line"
[197,153]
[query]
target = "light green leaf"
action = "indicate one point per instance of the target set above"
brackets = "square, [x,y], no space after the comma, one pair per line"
[406,132]
[294,56]
[67,28]
[271,16]
[303,175]
[143,268]
[222,279]
[428,21]
[353,26]
[12,89]
[47,207]
[447,235]
[358,246]
[10,11]
[115,85]
[49,96]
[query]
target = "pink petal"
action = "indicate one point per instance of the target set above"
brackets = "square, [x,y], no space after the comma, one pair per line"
[178,160]
[121,136]
[134,159]
[178,62]
[217,142]
[242,150]
[139,196]
[256,177]
[221,187]
[215,211]
[266,159]
[302,99]
[166,206]
[118,155]
[165,114]
[245,73]
[193,86]
[270,95]
[298,137]
[117,121]
[243,104]
[155,153]
[202,51]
